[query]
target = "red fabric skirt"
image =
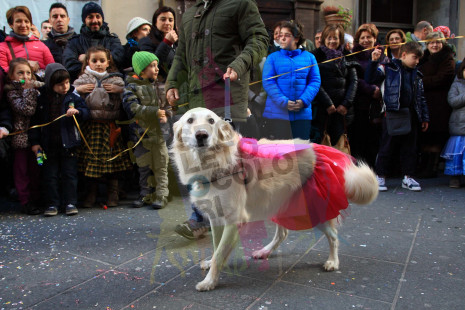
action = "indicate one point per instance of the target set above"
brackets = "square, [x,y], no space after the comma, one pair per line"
[322,197]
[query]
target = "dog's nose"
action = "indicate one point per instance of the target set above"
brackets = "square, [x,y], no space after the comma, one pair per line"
[201,137]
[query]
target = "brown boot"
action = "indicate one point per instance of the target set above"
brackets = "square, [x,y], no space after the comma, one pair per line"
[91,188]
[112,192]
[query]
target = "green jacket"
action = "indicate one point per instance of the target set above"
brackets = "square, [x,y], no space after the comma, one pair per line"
[141,103]
[223,34]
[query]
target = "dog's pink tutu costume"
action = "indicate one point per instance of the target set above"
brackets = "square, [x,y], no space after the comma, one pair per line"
[321,197]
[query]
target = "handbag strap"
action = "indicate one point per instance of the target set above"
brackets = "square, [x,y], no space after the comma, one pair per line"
[12,52]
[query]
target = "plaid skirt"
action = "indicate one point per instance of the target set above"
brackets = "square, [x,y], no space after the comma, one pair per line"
[98,136]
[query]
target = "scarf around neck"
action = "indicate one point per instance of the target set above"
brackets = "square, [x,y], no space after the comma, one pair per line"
[96,74]
[19,37]
[331,54]
[61,39]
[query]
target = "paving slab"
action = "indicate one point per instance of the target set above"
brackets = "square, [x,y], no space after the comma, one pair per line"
[285,295]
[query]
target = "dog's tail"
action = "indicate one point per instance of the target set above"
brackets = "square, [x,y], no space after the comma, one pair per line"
[361,185]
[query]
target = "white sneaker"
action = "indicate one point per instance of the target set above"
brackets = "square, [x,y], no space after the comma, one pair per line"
[411,184]
[381,184]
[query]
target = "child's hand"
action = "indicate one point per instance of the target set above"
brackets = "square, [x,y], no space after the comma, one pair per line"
[424,126]
[85,88]
[36,148]
[71,112]
[111,88]
[376,54]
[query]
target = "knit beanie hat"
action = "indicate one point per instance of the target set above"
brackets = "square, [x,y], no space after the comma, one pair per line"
[91,7]
[135,23]
[140,61]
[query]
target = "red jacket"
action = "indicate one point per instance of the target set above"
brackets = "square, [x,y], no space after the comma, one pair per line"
[33,49]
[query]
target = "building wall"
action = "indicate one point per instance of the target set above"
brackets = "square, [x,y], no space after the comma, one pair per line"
[460,43]
[438,12]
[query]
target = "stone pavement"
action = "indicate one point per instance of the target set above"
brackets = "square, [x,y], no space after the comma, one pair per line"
[405,251]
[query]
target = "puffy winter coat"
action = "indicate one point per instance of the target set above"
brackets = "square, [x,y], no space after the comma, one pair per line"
[102,105]
[33,49]
[456,100]
[141,102]
[23,103]
[213,36]
[338,83]
[70,136]
[154,43]
[292,85]
[81,43]
[390,74]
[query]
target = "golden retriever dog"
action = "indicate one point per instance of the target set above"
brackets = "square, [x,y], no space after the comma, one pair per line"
[232,188]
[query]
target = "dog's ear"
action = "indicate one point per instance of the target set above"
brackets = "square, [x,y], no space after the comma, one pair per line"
[177,130]
[225,131]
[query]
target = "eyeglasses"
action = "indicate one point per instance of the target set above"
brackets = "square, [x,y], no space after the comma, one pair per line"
[435,42]
[286,35]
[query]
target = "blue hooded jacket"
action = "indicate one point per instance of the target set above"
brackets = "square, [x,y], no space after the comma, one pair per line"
[292,85]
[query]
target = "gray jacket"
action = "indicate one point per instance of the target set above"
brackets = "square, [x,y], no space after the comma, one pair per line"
[456,99]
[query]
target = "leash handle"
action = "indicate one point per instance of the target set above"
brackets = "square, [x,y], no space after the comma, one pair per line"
[227,100]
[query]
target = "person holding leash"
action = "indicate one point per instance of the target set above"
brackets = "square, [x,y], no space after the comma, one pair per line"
[209,52]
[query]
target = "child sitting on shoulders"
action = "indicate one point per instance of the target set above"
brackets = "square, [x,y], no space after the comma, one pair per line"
[140,101]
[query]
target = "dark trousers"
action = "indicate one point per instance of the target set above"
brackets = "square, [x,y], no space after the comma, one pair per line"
[277,129]
[407,146]
[364,137]
[60,165]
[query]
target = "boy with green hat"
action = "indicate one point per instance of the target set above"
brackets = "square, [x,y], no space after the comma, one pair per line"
[141,103]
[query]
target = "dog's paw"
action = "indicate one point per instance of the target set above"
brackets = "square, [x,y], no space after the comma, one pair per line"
[205,264]
[331,265]
[261,254]
[205,285]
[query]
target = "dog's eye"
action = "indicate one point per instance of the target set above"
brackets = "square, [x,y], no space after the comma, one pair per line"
[211,121]
[190,120]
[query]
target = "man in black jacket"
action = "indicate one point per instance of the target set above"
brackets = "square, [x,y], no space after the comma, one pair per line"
[94,31]
[61,32]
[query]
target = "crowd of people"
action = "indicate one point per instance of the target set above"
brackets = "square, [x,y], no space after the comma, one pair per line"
[399,106]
